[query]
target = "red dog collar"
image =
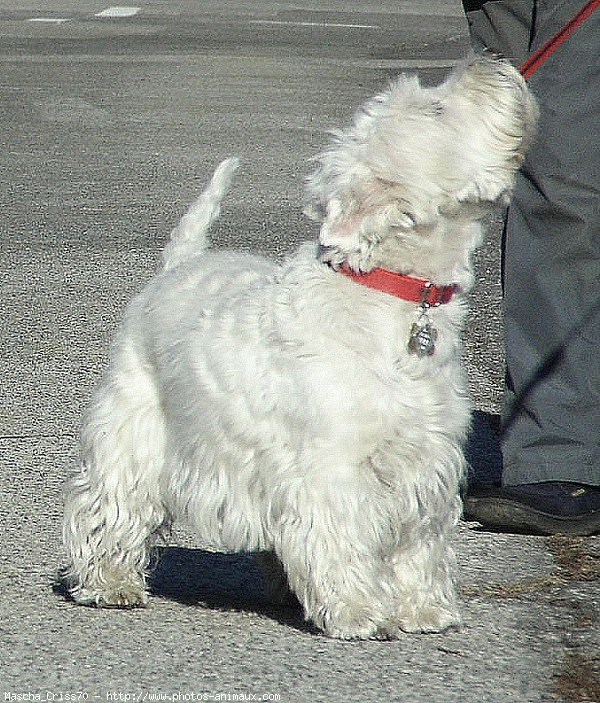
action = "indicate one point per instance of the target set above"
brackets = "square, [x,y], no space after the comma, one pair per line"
[416,290]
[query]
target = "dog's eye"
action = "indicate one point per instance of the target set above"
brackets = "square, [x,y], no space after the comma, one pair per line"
[437,108]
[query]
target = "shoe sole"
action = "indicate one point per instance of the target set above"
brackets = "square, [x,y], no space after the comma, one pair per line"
[505,515]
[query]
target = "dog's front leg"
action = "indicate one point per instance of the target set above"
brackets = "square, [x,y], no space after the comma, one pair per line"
[328,544]
[424,569]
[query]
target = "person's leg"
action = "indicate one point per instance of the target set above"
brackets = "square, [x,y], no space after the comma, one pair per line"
[502,26]
[550,442]
[552,270]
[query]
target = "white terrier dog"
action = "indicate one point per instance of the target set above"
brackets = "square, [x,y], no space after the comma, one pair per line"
[315,410]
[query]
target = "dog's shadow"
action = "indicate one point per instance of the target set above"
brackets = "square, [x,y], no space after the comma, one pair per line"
[228,582]
[483,450]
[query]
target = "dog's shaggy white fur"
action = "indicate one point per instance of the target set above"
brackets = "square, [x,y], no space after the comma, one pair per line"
[278,408]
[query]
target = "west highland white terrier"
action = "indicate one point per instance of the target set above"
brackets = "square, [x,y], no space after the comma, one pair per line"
[314,410]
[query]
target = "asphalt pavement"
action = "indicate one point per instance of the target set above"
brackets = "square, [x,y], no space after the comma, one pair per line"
[111,119]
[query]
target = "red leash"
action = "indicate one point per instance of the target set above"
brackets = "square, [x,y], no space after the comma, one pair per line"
[538,57]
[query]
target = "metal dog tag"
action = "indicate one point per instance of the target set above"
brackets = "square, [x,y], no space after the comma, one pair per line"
[423,335]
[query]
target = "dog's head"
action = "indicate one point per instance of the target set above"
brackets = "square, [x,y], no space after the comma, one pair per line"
[418,157]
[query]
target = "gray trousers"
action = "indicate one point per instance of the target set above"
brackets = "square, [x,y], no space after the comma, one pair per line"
[552,249]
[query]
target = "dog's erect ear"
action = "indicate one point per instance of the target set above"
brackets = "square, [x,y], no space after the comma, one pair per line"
[334,199]
[351,225]
[337,229]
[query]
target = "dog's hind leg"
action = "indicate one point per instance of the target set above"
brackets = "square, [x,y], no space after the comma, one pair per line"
[112,505]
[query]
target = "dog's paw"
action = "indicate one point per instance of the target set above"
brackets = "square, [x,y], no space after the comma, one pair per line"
[347,623]
[118,596]
[429,619]
[351,631]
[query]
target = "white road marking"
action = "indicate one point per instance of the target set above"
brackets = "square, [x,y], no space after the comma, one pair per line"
[315,24]
[118,12]
[50,20]
[397,64]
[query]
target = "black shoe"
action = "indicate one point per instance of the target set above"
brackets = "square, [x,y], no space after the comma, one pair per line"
[536,508]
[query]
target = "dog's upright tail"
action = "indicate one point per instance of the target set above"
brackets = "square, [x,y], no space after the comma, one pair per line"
[191,234]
